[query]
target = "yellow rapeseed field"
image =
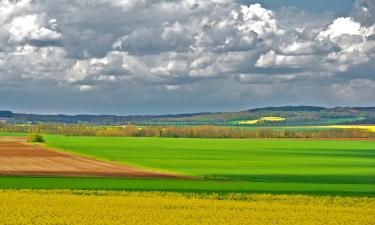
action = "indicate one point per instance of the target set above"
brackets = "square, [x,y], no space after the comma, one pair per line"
[370,128]
[116,207]
[263,119]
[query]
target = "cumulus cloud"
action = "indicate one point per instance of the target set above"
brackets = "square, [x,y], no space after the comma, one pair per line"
[22,23]
[343,26]
[336,48]
[157,47]
[33,63]
[109,68]
[272,59]
[33,28]
[170,37]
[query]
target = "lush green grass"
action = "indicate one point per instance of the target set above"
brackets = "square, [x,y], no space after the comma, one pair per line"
[199,186]
[277,166]
[11,134]
[240,159]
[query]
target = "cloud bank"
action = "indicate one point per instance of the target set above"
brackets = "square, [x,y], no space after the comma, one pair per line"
[158,56]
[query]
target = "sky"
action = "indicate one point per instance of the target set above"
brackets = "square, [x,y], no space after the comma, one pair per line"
[337,7]
[181,56]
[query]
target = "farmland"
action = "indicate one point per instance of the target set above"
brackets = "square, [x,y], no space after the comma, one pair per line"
[236,159]
[114,207]
[187,112]
[369,128]
[225,181]
[222,165]
[18,158]
[262,120]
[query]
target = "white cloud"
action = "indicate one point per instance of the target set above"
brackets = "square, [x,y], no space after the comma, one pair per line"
[344,26]
[167,45]
[222,1]
[34,27]
[24,23]
[10,8]
[258,19]
[125,4]
[85,87]
[115,66]
[274,60]
[34,63]
[307,47]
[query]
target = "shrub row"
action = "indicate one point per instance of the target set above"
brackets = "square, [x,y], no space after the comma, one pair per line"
[185,132]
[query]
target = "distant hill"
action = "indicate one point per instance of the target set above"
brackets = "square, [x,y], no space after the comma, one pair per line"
[95,119]
[6,114]
[289,108]
[292,116]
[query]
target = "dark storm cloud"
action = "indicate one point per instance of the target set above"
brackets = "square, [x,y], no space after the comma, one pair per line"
[158,56]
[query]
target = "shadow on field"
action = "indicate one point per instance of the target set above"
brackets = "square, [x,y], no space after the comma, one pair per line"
[317,179]
[191,186]
[352,153]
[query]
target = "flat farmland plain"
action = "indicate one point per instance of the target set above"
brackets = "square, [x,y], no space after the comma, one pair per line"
[301,165]
[328,167]
[330,161]
[326,182]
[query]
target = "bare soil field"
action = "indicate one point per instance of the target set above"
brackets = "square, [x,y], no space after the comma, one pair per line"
[22,159]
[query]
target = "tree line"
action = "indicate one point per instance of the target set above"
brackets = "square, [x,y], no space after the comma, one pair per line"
[205,131]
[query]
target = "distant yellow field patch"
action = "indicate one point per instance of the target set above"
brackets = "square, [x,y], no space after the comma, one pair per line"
[248,122]
[364,127]
[263,119]
[157,208]
[272,118]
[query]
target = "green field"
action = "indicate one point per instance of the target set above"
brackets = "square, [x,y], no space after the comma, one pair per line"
[239,159]
[12,134]
[197,186]
[223,165]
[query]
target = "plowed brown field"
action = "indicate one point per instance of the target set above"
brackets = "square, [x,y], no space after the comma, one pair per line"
[19,158]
